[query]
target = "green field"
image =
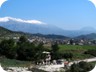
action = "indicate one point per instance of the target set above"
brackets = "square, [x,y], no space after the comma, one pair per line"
[77,50]
[14,63]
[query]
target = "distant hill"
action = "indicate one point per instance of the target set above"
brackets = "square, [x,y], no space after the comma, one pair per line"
[8,33]
[52,36]
[87,36]
[4,31]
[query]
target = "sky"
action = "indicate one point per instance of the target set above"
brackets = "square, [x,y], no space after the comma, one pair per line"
[66,14]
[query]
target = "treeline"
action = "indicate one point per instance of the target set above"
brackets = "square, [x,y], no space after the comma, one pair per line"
[21,49]
[27,51]
[91,52]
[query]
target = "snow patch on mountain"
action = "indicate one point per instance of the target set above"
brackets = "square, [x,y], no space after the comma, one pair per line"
[6,19]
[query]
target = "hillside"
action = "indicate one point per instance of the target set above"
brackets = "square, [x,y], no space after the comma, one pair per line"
[8,33]
[87,36]
[52,36]
[5,32]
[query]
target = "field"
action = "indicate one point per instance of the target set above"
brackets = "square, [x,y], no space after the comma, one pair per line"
[14,63]
[77,50]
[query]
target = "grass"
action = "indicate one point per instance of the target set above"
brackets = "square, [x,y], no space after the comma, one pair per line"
[14,63]
[77,50]
[76,47]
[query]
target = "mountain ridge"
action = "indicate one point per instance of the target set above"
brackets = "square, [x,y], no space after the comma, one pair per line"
[8,33]
[36,26]
[91,36]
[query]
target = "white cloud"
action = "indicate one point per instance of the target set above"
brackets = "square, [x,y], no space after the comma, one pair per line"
[6,19]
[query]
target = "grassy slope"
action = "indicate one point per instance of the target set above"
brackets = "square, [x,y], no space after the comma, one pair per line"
[77,50]
[14,63]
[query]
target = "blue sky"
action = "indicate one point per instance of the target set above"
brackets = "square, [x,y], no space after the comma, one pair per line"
[66,14]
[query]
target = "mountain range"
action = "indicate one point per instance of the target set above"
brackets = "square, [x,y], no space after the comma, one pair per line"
[5,33]
[8,33]
[34,26]
[91,36]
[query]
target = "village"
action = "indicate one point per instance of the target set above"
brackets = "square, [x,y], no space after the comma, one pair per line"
[49,41]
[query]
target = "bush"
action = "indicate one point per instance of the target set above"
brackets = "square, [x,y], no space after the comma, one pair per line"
[80,67]
[68,55]
[91,52]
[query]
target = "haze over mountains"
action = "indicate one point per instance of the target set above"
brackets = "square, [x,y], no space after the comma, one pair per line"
[5,33]
[34,26]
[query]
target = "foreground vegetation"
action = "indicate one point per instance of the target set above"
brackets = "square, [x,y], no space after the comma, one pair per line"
[80,67]
[78,51]
[5,62]
[76,47]
[22,51]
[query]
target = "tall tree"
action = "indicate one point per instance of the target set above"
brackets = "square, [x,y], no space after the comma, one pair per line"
[55,47]
[54,51]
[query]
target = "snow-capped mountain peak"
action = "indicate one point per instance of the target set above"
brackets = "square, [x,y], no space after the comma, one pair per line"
[6,19]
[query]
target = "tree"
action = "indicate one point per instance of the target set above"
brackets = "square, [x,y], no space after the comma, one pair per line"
[55,47]
[26,51]
[91,52]
[40,47]
[54,51]
[68,55]
[23,39]
[8,48]
[39,52]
